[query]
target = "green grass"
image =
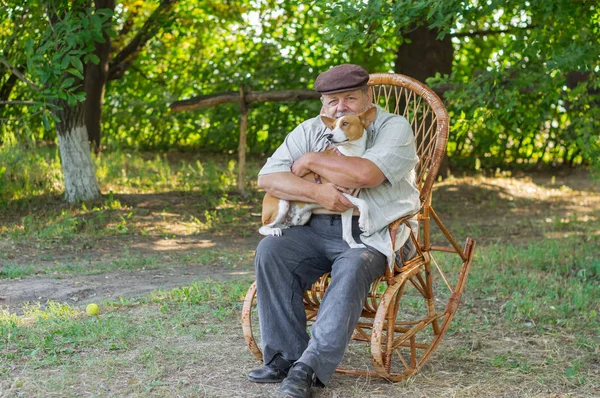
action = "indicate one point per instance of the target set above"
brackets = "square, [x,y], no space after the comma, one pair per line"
[29,171]
[548,282]
[59,335]
[14,271]
[152,342]
[143,333]
[206,186]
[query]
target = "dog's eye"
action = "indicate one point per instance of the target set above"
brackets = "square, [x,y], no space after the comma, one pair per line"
[344,123]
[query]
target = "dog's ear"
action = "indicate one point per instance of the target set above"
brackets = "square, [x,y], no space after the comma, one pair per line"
[329,122]
[368,116]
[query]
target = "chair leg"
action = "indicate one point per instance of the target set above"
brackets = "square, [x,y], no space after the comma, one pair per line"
[387,335]
[249,322]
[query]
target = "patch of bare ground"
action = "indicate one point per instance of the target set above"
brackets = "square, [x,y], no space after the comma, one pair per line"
[161,264]
[81,290]
[520,209]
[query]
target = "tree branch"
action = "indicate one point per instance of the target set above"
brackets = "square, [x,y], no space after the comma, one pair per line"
[8,86]
[204,101]
[21,118]
[16,72]
[155,81]
[490,32]
[127,55]
[17,103]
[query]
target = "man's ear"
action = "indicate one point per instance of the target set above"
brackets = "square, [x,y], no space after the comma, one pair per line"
[329,122]
[368,116]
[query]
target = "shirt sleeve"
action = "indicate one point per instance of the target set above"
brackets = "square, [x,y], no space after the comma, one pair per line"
[394,149]
[294,146]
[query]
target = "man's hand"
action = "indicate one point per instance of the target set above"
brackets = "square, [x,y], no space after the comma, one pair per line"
[300,167]
[331,198]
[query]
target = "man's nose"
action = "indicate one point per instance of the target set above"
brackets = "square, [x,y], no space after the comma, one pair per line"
[342,106]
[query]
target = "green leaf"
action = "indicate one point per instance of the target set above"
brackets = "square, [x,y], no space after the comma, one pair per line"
[71,41]
[67,83]
[110,31]
[94,59]
[71,100]
[64,63]
[75,73]
[96,21]
[45,121]
[76,62]
[570,372]
[44,76]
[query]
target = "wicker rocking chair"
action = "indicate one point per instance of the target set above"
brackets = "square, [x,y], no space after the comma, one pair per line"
[409,309]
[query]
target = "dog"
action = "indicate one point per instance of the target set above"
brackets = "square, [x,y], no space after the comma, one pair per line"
[349,138]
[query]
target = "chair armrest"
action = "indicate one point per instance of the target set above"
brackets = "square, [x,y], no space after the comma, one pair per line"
[394,225]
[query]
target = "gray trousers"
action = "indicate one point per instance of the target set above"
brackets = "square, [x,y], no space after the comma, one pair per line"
[286,266]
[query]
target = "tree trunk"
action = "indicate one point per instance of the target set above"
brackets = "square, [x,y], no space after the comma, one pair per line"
[94,84]
[422,58]
[78,168]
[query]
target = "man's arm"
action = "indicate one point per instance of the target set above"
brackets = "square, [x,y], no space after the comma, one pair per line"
[288,186]
[344,171]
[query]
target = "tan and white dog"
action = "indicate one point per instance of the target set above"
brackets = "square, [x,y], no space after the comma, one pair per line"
[349,136]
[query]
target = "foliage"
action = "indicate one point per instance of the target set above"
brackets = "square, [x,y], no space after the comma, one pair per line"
[209,54]
[524,86]
[27,171]
[50,50]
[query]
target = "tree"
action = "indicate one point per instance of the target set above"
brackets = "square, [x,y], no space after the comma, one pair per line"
[68,66]
[520,82]
[116,58]
[524,84]
[55,54]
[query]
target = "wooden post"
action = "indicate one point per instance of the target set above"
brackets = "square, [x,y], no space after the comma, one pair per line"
[242,147]
[245,98]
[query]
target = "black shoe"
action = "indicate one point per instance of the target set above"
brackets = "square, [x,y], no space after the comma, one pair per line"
[299,381]
[274,372]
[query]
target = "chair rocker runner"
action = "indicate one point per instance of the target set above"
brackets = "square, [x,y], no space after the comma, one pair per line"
[409,309]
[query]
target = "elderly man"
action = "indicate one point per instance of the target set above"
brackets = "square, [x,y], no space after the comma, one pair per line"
[286,266]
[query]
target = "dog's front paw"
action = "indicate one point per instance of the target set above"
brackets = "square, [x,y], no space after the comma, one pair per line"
[357,246]
[266,231]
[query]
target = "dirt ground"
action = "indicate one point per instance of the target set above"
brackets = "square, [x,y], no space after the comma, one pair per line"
[515,204]
[508,210]
[79,290]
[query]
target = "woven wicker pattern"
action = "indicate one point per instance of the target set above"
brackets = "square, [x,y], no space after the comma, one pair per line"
[426,114]
[402,340]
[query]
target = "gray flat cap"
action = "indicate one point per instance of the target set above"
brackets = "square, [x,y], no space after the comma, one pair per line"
[340,78]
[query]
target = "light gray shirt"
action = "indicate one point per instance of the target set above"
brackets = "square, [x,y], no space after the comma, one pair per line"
[391,147]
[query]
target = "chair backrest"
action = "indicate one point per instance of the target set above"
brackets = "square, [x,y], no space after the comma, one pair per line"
[426,114]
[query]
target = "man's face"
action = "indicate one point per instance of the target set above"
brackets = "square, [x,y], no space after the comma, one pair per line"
[345,103]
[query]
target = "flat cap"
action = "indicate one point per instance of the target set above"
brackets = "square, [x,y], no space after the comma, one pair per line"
[340,78]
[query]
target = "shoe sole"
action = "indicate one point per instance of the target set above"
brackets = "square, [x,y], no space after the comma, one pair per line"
[264,381]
